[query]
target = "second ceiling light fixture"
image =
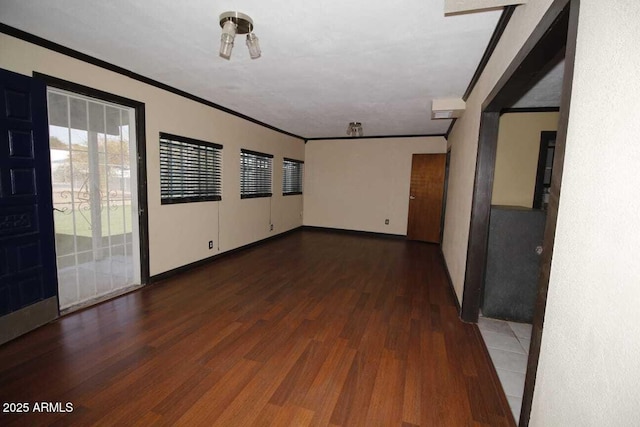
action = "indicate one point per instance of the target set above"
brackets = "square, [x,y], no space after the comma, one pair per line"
[354,129]
[233,23]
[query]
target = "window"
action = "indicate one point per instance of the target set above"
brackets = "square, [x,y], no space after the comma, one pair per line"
[190,170]
[291,177]
[255,174]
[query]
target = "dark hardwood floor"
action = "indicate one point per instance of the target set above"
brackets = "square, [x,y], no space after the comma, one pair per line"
[314,328]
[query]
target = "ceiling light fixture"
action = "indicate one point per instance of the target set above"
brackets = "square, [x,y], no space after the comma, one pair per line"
[233,23]
[354,129]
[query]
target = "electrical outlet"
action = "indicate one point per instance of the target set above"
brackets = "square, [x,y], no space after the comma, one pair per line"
[210,244]
[386,221]
[271,227]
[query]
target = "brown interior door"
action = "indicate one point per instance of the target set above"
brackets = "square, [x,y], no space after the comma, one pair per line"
[425,197]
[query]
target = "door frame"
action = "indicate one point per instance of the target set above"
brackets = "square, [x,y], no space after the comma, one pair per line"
[546,136]
[447,164]
[139,108]
[553,39]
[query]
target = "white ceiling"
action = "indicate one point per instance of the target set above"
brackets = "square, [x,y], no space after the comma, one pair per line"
[324,63]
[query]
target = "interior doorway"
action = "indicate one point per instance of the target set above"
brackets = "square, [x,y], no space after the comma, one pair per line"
[517,220]
[552,40]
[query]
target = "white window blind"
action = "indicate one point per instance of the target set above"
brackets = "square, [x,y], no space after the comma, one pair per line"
[190,170]
[291,176]
[255,174]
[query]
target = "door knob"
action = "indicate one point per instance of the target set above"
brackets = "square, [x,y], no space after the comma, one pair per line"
[412,197]
[539,250]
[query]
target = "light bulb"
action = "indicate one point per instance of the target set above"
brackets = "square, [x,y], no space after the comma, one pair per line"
[226,40]
[254,46]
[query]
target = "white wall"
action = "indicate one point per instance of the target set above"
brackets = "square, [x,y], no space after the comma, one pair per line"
[356,184]
[179,234]
[464,140]
[589,368]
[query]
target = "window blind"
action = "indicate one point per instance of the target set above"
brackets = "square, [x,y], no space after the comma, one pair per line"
[255,174]
[291,176]
[190,170]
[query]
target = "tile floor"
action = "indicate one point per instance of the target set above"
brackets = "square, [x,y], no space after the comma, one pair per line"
[508,345]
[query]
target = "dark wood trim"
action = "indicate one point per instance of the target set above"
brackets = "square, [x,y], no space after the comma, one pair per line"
[495,379]
[449,281]
[453,122]
[447,166]
[196,199]
[293,193]
[141,143]
[178,270]
[530,110]
[85,90]
[542,51]
[255,196]
[48,44]
[143,206]
[426,135]
[491,46]
[287,159]
[480,213]
[188,140]
[354,232]
[545,137]
[552,214]
[256,153]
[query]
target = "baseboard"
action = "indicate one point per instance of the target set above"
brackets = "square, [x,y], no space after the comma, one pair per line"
[451,287]
[170,273]
[353,232]
[27,319]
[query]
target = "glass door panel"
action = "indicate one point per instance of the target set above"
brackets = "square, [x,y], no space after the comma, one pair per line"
[94,196]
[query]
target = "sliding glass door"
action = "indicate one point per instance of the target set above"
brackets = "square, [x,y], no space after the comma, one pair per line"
[93,168]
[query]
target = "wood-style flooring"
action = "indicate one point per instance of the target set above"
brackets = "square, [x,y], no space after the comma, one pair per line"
[314,328]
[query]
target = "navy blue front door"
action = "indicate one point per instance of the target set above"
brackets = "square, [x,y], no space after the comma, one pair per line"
[27,251]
